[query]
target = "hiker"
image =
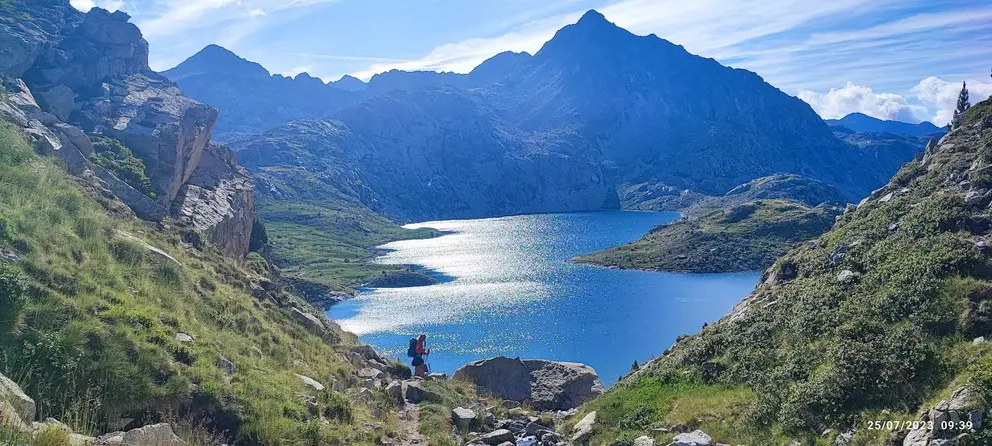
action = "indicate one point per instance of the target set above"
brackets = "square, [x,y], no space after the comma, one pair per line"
[417,350]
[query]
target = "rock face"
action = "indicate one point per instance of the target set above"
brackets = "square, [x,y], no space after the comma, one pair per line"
[11,394]
[545,385]
[87,74]
[218,200]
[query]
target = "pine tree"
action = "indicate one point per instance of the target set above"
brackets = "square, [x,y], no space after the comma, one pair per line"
[963,104]
[636,367]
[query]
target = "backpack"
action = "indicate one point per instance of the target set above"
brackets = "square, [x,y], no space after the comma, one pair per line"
[412,350]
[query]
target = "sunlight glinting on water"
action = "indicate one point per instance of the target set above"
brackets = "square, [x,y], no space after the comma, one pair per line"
[508,289]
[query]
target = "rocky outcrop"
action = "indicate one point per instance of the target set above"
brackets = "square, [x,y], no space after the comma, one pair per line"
[943,423]
[88,74]
[218,200]
[13,397]
[545,385]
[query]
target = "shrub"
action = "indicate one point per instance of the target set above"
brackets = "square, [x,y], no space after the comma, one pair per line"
[257,264]
[13,295]
[6,229]
[110,154]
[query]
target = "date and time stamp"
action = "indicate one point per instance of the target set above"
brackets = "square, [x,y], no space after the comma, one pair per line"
[893,425]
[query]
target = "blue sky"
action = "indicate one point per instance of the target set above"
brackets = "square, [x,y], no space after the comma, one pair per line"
[894,59]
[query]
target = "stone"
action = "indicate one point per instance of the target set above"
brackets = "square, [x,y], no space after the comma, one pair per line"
[414,392]
[395,389]
[462,417]
[10,417]
[976,417]
[545,385]
[978,340]
[22,404]
[887,197]
[59,100]
[496,437]
[154,435]
[962,399]
[310,382]
[582,430]
[437,376]
[847,276]
[370,373]
[77,138]
[367,352]
[311,322]
[225,365]
[694,438]
[644,440]
[184,338]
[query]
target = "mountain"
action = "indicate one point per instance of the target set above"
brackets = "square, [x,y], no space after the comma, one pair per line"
[349,83]
[598,118]
[253,100]
[860,122]
[887,313]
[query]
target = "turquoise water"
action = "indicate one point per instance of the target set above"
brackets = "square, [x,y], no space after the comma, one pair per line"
[509,290]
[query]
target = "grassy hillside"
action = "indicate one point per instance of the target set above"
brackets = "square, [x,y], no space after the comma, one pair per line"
[92,323]
[872,321]
[321,235]
[746,237]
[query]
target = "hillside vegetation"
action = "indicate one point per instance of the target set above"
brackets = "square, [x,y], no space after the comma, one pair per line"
[874,320]
[747,237]
[95,324]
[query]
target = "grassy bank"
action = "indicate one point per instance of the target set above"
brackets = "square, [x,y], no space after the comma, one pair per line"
[93,317]
[747,237]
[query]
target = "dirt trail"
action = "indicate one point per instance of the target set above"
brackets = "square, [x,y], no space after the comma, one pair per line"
[410,422]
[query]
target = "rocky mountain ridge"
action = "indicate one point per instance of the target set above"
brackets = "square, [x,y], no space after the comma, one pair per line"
[598,118]
[860,122]
[71,76]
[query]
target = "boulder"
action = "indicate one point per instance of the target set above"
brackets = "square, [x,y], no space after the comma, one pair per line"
[644,441]
[414,392]
[582,430]
[496,437]
[694,438]
[184,338]
[462,417]
[59,100]
[395,389]
[847,276]
[76,137]
[545,385]
[310,382]
[154,435]
[311,322]
[12,394]
[367,352]
[225,365]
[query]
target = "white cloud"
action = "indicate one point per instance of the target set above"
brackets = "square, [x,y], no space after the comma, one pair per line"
[86,5]
[839,102]
[173,17]
[942,96]
[462,57]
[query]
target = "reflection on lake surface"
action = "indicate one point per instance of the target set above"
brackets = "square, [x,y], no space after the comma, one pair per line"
[509,290]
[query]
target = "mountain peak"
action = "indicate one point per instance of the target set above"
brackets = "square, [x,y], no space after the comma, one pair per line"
[219,60]
[593,16]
